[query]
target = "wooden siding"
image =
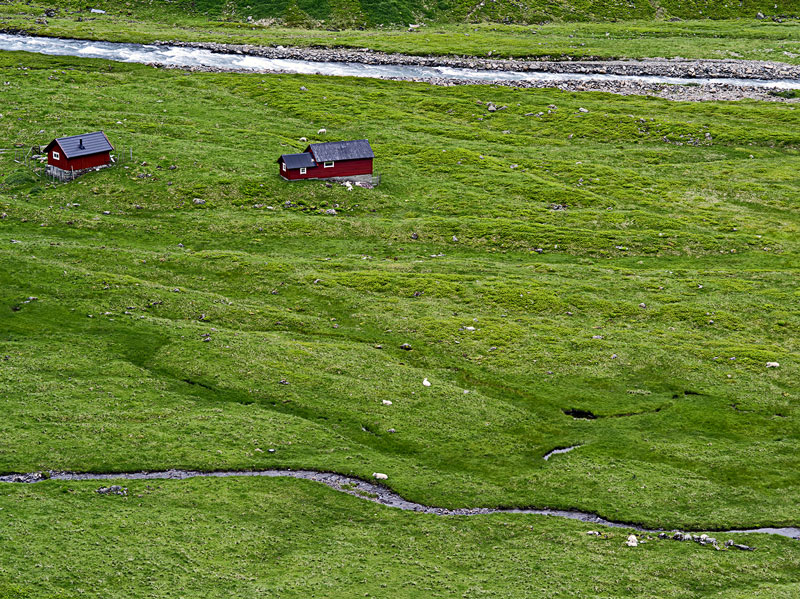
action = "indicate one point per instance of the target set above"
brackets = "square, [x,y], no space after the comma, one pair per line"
[340,168]
[77,163]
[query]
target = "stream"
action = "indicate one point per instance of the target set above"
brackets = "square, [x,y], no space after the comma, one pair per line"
[186,55]
[362,489]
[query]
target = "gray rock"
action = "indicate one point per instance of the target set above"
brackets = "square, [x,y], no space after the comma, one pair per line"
[113,490]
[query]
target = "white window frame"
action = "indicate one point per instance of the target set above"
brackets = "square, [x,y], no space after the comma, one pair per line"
[302,171]
[283,164]
[328,164]
[56,155]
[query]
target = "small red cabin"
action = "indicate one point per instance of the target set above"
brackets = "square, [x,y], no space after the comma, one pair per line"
[69,157]
[344,160]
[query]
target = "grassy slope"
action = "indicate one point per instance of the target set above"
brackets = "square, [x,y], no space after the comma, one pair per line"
[374,12]
[751,39]
[694,430]
[280,538]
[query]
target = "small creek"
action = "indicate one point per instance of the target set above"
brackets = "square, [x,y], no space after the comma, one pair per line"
[183,56]
[362,489]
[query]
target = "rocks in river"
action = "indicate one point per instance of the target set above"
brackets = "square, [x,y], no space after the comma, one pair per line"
[113,490]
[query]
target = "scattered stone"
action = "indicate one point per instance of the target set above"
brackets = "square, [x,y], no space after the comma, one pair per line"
[113,490]
[330,212]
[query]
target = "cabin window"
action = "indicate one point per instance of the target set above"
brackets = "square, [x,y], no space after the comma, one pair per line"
[329,164]
[56,155]
[283,167]
[302,171]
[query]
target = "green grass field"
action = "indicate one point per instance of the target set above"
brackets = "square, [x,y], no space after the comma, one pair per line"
[689,209]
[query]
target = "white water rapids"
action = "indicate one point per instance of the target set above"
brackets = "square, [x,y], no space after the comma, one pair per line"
[197,57]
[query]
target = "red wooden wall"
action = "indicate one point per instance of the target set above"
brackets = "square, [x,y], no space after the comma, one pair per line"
[80,162]
[340,168]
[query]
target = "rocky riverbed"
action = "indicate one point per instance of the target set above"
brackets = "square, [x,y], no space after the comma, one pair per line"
[699,70]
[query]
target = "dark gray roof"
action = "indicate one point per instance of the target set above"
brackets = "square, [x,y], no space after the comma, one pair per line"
[341,150]
[85,144]
[303,160]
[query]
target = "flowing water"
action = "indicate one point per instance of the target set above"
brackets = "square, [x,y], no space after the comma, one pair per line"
[357,487]
[197,57]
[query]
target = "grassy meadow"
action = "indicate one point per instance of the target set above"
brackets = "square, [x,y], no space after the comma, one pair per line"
[637,262]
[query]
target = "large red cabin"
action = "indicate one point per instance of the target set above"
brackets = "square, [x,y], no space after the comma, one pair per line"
[68,157]
[345,160]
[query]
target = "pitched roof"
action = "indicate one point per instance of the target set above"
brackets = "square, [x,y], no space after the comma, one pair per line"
[85,144]
[292,161]
[341,150]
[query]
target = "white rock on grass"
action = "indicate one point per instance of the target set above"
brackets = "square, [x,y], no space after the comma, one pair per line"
[379,475]
[632,541]
[426,383]
[773,365]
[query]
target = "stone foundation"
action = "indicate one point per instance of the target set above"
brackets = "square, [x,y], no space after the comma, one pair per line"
[70,175]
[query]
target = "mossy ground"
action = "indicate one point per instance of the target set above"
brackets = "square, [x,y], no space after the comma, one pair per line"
[108,368]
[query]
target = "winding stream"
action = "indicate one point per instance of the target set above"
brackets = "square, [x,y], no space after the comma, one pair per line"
[362,489]
[182,56]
